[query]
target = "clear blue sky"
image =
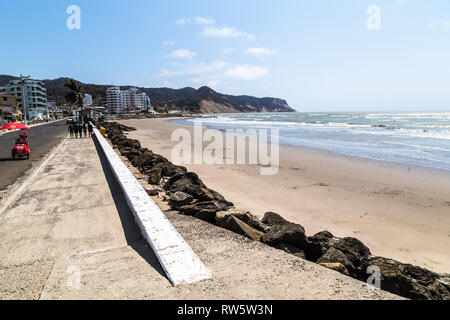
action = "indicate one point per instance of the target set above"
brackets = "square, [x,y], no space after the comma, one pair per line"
[319,55]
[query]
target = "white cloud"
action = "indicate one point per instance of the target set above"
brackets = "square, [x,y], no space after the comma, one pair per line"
[168,43]
[203,20]
[196,20]
[226,32]
[182,21]
[247,72]
[183,54]
[260,52]
[227,51]
[443,24]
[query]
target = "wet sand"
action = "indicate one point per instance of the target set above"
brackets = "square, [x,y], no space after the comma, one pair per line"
[398,211]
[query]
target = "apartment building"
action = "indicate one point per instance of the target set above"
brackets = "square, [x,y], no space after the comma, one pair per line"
[119,101]
[35,96]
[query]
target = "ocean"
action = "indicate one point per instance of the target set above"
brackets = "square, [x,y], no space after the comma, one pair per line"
[421,139]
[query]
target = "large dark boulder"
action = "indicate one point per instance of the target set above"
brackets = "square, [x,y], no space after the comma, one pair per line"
[209,206]
[198,192]
[179,199]
[234,224]
[335,256]
[274,219]
[143,156]
[244,216]
[283,231]
[324,238]
[290,233]
[407,280]
[208,215]
[353,249]
[190,183]
[169,169]
[128,143]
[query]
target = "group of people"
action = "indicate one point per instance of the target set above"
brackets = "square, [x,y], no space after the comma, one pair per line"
[22,139]
[76,130]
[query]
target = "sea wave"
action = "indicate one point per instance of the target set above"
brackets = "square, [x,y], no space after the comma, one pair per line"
[409,138]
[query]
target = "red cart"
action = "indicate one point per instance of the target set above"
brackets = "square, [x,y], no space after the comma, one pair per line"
[20,151]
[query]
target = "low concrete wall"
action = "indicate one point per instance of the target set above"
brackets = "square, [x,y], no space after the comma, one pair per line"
[178,260]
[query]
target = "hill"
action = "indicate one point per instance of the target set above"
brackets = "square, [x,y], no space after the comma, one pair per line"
[203,100]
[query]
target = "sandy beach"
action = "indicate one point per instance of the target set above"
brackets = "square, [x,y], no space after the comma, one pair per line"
[398,211]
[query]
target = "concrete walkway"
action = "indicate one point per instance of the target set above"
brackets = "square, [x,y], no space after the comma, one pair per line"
[71,218]
[71,236]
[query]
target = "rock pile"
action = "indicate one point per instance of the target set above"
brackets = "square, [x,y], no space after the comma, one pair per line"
[187,194]
[185,190]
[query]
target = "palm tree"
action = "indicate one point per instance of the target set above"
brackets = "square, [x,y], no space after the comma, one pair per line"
[74,97]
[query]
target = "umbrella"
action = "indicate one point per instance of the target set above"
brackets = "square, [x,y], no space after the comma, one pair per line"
[14,126]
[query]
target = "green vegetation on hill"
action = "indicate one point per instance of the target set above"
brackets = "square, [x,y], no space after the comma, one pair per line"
[189,99]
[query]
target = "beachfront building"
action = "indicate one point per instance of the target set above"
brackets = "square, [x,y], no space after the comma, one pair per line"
[87,100]
[147,103]
[9,110]
[119,101]
[57,112]
[35,96]
[114,99]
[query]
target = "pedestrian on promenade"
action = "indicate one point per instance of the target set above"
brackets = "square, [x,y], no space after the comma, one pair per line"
[75,129]
[90,129]
[85,129]
[71,130]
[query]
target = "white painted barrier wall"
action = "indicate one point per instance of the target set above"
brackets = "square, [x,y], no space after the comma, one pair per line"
[178,260]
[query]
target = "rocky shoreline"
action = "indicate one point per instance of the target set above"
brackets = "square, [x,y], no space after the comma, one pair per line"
[187,194]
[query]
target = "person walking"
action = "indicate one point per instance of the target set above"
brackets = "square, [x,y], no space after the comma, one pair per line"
[90,129]
[75,129]
[85,129]
[71,130]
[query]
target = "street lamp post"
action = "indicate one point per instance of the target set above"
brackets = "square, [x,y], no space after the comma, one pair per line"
[24,99]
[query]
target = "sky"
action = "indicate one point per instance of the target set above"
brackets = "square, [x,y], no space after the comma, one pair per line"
[319,55]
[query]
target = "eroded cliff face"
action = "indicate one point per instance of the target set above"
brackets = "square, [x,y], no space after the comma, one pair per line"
[207,106]
[206,100]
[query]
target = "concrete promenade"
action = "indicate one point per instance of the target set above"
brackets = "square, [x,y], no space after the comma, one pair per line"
[72,218]
[70,235]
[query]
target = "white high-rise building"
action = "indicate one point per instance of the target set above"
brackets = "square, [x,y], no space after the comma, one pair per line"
[114,100]
[119,100]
